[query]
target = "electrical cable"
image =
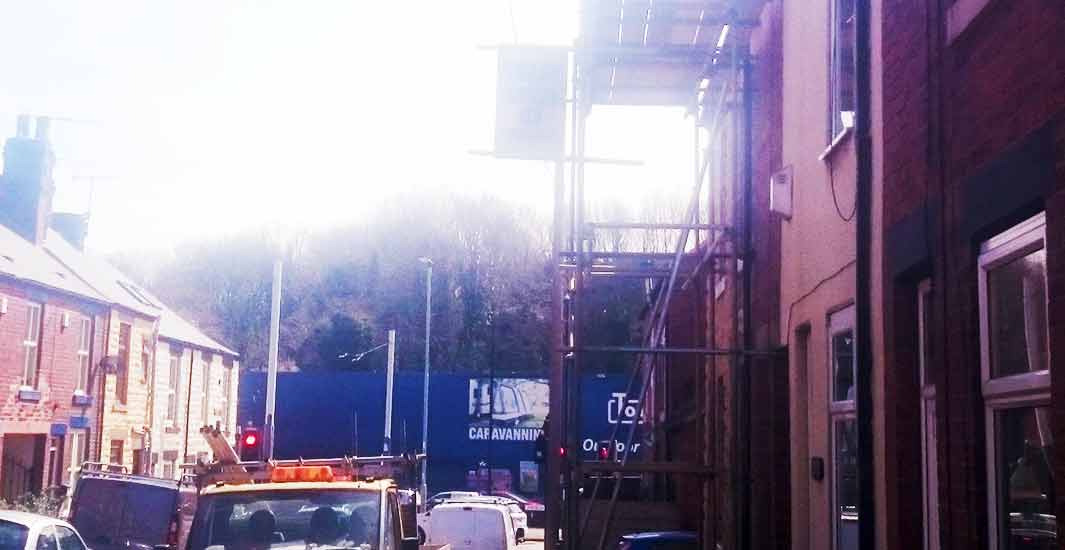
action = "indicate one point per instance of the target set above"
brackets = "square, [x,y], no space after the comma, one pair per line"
[822,282]
[835,200]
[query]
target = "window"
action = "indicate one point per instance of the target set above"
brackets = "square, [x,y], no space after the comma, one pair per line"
[205,358]
[1015,358]
[146,360]
[841,68]
[173,383]
[844,431]
[84,344]
[31,346]
[116,451]
[929,459]
[68,540]
[168,469]
[122,380]
[46,539]
[227,390]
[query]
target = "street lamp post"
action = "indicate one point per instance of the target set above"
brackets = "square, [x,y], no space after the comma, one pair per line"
[425,384]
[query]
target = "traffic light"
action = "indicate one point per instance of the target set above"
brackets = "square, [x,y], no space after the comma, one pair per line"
[251,445]
[603,452]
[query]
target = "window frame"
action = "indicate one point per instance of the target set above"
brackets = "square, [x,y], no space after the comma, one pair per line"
[929,441]
[835,70]
[84,353]
[1015,391]
[173,386]
[31,345]
[125,341]
[205,403]
[227,387]
[839,321]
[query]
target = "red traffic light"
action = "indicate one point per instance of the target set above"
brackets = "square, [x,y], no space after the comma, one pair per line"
[561,451]
[604,453]
[250,439]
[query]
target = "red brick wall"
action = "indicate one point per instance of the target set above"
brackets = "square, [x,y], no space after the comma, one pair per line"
[58,361]
[950,114]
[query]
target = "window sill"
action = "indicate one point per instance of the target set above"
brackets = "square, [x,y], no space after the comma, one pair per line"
[119,407]
[29,395]
[836,144]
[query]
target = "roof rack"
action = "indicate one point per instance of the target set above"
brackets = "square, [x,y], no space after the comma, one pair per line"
[228,468]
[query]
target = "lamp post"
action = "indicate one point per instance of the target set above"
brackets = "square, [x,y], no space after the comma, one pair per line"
[425,384]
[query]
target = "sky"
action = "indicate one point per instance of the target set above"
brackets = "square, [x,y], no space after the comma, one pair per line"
[184,121]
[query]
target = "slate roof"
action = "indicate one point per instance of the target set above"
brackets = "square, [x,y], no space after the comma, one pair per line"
[20,260]
[60,266]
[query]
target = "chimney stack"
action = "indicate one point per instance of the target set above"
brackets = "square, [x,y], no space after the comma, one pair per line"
[73,227]
[26,186]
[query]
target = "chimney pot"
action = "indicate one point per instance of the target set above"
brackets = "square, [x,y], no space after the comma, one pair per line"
[44,128]
[22,126]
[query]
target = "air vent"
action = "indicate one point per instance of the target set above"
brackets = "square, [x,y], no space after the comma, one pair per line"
[780,189]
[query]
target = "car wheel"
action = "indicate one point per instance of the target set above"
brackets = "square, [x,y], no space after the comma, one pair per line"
[520,535]
[421,536]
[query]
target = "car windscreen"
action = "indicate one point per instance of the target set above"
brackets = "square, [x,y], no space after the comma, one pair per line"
[260,520]
[109,513]
[12,535]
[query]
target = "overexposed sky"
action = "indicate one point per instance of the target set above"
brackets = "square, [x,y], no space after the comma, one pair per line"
[188,120]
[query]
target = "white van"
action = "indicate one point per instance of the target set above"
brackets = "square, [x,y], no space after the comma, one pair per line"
[472,526]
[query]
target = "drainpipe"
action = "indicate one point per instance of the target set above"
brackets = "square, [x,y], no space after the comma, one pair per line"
[743,388]
[863,287]
[102,405]
[188,402]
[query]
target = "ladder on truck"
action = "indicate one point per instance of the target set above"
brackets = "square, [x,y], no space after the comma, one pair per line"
[228,468]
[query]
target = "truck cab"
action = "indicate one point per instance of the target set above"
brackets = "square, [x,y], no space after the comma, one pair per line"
[298,514]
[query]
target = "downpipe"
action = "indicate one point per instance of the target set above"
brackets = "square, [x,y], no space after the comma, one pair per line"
[863,287]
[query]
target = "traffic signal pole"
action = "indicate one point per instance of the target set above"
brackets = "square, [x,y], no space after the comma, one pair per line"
[389,377]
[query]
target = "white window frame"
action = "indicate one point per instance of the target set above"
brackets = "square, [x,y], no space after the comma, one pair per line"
[834,108]
[1030,389]
[84,350]
[173,385]
[839,321]
[227,383]
[31,345]
[205,404]
[77,442]
[929,449]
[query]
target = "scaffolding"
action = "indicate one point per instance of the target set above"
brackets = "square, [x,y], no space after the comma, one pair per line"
[686,53]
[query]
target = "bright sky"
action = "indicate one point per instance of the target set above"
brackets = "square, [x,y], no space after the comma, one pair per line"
[197,118]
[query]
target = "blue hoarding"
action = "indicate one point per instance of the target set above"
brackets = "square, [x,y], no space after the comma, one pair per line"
[333,414]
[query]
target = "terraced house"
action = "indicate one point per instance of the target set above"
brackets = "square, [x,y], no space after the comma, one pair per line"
[79,345]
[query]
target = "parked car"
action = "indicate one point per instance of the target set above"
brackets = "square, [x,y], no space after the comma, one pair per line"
[534,509]
[25,531]
[471,526]
[119,511]
[660,540]
[440,498]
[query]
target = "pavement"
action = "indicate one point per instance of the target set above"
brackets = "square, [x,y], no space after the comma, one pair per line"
[534,540]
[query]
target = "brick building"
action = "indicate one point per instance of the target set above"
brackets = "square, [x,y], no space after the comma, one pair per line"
[78,342]
[195,385]
[974,266]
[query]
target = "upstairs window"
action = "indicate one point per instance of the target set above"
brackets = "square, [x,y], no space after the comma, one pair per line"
[84,345]
[125,331]
[173,383]
[841,100]
[31,346]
